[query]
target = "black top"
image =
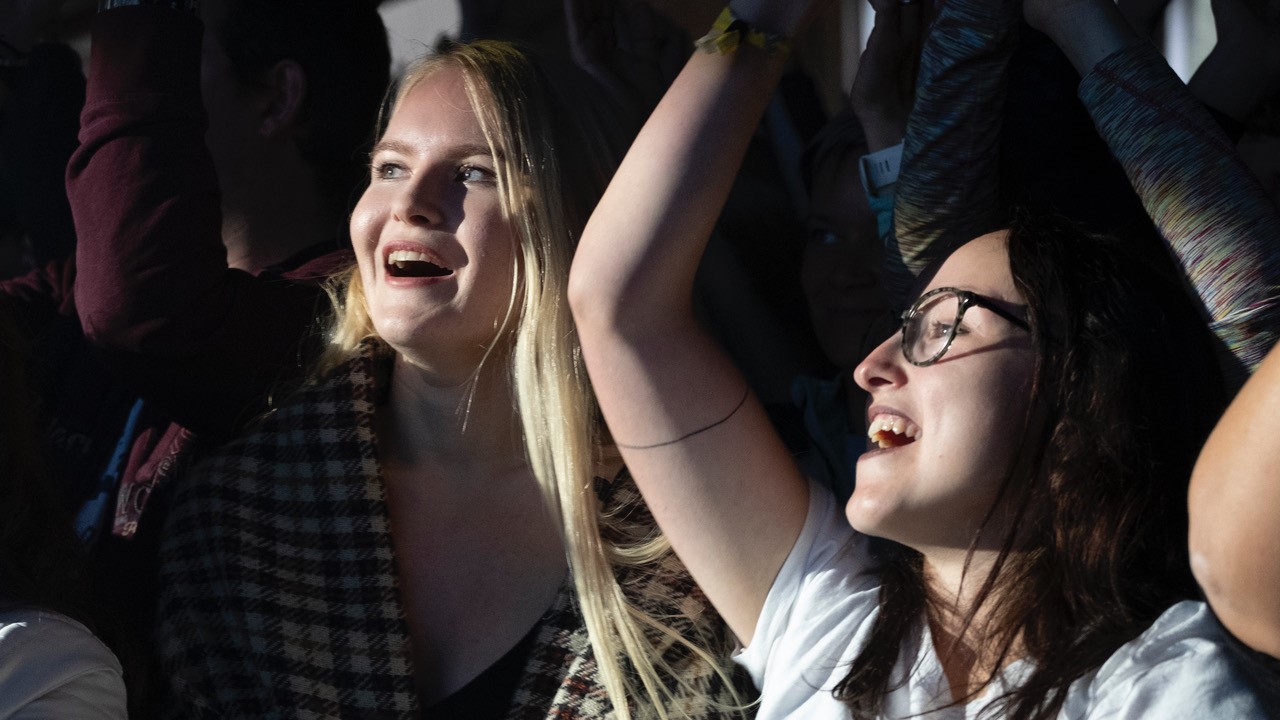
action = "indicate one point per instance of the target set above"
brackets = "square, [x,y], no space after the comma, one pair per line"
[488,696]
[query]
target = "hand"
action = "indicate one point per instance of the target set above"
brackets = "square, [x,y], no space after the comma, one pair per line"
[883,91]
[627,46]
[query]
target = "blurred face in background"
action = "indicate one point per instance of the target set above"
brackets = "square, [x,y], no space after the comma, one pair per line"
[840,271]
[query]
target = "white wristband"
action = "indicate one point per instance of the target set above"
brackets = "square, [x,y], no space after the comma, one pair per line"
[879,170]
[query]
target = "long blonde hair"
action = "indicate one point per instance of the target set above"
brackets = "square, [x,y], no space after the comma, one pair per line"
[553,161]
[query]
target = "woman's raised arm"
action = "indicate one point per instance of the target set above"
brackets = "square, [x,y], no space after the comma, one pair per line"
[1213,214]
[1235,533]
[716,477]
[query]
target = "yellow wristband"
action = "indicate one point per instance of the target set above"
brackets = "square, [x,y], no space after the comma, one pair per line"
[729,31]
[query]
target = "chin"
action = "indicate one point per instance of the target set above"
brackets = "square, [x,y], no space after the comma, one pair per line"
[865,516]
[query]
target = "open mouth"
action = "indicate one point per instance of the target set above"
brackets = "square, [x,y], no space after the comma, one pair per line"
[890,431]
[411,264]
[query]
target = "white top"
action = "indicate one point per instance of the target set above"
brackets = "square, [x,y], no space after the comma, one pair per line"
[819,613]
[52,667]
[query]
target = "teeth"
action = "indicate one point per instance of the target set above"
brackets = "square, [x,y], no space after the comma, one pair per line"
[890,430]
[399,257]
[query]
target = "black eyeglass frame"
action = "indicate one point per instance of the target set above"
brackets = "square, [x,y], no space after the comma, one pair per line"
[968,299]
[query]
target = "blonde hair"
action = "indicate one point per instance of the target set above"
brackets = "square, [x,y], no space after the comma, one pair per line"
[536,132]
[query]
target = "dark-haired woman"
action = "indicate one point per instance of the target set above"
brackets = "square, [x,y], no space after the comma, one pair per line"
[1016,541]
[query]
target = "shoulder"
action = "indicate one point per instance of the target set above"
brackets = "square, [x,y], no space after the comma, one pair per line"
[1180,667]
[327,419]
[52,666]
[818,611]
[313,457]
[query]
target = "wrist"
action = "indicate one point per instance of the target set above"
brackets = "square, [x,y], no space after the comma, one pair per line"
[1087,31]
[730,31]
[777,18]
[878,169]
[190,6]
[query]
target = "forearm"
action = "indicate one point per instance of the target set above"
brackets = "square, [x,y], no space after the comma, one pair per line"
[1087,31]
[1234,532]
[142,184]
[641,248]
[703,454]
[1213,214]
[947,192]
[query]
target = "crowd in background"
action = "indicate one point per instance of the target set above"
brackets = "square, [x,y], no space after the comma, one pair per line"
[588,368]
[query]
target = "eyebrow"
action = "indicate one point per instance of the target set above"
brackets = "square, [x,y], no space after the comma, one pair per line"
[404,148]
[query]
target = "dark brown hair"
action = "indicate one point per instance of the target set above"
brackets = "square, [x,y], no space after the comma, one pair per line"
[1127,387]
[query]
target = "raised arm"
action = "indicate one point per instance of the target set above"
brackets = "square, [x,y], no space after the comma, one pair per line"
[1235,534]
[716,477]
[948,191]
[200,340]
[1214,215]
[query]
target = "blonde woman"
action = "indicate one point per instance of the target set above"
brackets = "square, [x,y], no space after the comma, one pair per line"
[436,524]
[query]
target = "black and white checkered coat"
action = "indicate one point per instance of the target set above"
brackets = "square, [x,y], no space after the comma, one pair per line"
[279,596]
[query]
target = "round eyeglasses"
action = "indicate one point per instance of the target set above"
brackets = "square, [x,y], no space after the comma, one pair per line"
[930,324]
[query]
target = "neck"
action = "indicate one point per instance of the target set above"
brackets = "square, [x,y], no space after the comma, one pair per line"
[456,424]
[967,641]
[266,221]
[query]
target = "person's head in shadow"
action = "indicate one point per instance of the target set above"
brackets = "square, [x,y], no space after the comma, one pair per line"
[841,266]
[292,90]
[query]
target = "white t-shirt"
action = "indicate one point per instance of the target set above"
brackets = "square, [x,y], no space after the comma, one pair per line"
[820,610]
[52,667]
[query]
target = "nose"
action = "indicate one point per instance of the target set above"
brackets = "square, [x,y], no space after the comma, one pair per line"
[883,367]
[419,201]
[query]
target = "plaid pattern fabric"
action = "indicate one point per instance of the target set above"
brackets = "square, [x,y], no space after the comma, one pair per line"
[279,595]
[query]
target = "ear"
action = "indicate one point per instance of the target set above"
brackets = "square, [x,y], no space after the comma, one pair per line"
[283,88]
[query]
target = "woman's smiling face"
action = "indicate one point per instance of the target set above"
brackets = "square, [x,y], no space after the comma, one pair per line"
[960,419]
[436,253]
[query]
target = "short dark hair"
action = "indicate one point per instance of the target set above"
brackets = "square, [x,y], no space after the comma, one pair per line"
[342,48]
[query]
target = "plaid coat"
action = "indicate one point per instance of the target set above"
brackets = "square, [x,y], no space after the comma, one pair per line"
[279,593]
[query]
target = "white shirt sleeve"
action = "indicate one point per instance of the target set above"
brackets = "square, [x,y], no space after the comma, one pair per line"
[52,667]
[815,616]
[1179,668]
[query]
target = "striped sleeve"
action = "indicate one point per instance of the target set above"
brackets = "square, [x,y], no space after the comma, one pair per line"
[1209,209]
[948,190]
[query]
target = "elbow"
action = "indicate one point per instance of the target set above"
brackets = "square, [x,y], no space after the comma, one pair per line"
[107,327]
[1245,606]
[583,297]
[1235,568]
[597,301]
